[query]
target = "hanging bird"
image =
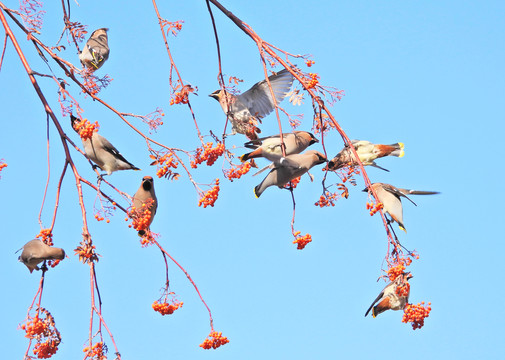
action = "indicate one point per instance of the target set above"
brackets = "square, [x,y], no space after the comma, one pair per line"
[96,51]
[36,251]
[390,197]
[270,147]
[389,297]
[288,168]
[367,153]
[99,150]
[245,110]
[145,195]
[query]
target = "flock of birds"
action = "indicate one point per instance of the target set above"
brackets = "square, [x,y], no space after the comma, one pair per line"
[244,111]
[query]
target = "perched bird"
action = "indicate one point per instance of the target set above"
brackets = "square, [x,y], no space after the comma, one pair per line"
[270,147]
[145,195]
[96,50]
[367,153]
[245,110]
[99,150]
[36,251]
[390,197]
[389,297]
[288,168]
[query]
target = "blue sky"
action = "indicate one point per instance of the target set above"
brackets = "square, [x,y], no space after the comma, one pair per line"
[429,74]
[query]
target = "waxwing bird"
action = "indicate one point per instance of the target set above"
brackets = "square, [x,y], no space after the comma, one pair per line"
[36,251]
[390,197]
[245,110]
[389,297]
[367,153]
[288,168]
[270,147]
[99,150]
[145,195]
[96,51]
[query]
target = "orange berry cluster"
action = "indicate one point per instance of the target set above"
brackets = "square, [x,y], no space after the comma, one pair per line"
[46,349]
[86,129]
[293,183]
[403,290]
[165,308]
[301,241]
[327,199]
[141,217]
[99,218]
[2,165]
[46,236]
[86,252]
[96,351]
[215,341]
[374,207]
[236,172]
[90,83]
[173,27]
[53,263]
[416,314]
[210,197]
[34,327]
[313,81]
[210,154]
[168,162]
[309,63]
[395,271]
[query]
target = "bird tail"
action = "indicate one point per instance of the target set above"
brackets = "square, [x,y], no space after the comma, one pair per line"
[253,154]
[402,227]
[258,190]
[398,151]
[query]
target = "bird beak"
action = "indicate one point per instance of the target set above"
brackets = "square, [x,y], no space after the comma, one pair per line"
[365,189]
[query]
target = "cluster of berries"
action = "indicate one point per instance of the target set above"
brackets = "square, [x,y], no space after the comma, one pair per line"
[215,341]
[416,314]
[313,81]
[395,271]
[309,63]
[327,199]
[46,236]
[210,197]
[210,154]
[97,351]
[141,217]
[165,308]
[166,162]
[181,97]
[86,129]
[2,165]
[374,207]
[46,349]
[236,172]
[293,183]
[301,241]
[86,252]
[173,27]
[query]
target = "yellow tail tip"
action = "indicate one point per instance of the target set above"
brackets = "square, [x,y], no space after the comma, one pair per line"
[242,158]
[402,228]
[256,195]
[401,145]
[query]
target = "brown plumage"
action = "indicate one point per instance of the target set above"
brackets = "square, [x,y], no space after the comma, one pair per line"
[96,51]
[143,197]
[389,299]
[36,251]
[288,168]
[245,110]
[367,153]
[390,197]
[270,147]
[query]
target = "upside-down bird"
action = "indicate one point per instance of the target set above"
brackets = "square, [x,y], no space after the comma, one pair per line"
[245,110]
[270,147]
[288,168]
[99,150]
[145,195]
[389,298]
[96,51]
[35,251]
[367,153]
[390,197]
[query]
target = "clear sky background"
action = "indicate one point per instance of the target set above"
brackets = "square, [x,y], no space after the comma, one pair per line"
[426,73]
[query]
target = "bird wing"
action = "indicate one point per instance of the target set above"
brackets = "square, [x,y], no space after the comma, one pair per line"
[107,146]
[397,192]
[375,301]
[418,192]
[254,144]
[258,99]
